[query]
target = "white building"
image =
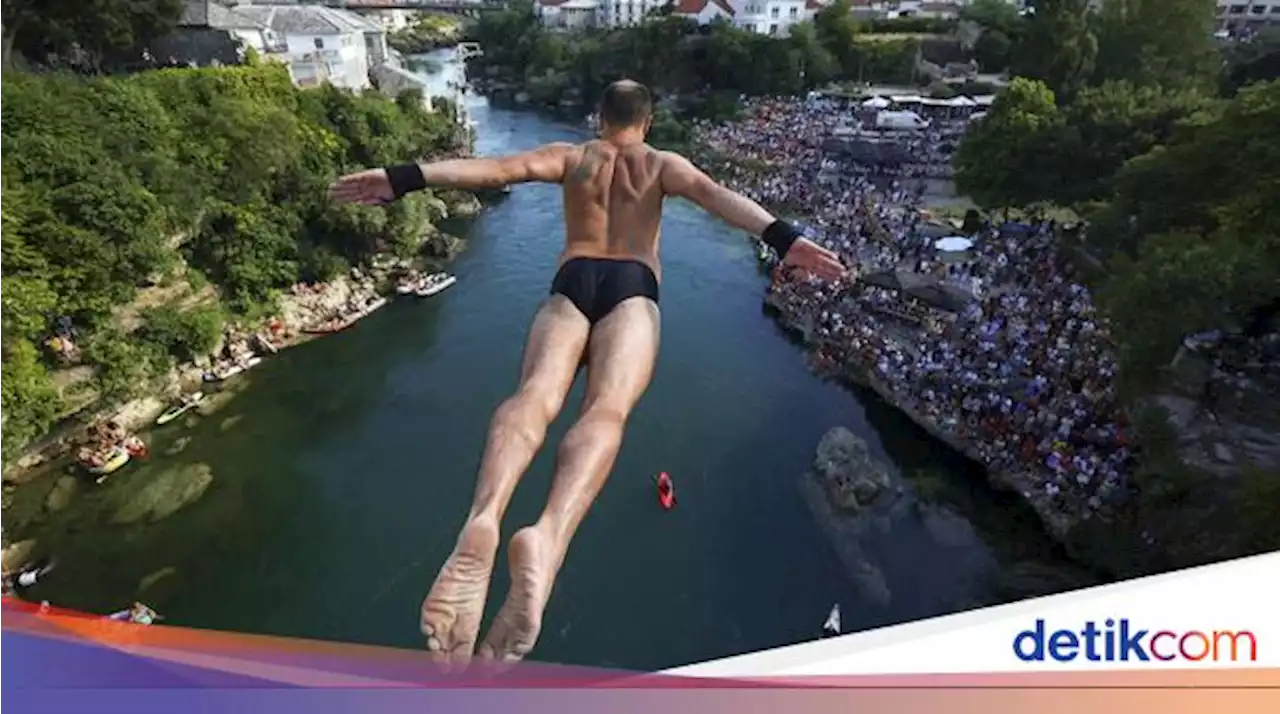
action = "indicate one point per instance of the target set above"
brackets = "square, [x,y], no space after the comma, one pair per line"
[568,14]
[324,44]
[1238,14]
[767,17]
[625,13]
[210,32]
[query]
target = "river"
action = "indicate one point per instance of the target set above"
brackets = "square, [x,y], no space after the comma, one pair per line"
[342,469]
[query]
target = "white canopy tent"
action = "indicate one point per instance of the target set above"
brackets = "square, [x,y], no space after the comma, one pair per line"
[953,249]
[876,103]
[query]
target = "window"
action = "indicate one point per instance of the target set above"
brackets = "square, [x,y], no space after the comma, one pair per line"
[1237,9]
[773,29]
[795,11]
[1259,9]
[319,43]
[773,12]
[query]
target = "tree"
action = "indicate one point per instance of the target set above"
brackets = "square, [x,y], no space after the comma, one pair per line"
[1108,125]
[818,65]
[997,15]
[31,401]
[1002,29]
[1060,48]
[837,30]
[185,335]
[1166,43]
[993,51]
[102,29]
[1006,158]
[1202,214]
[1257,60]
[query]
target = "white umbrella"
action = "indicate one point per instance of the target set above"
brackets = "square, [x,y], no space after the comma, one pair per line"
[953,244]
[876,103]
[954,249]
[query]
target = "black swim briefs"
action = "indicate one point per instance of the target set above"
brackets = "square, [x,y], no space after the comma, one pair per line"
[596,285]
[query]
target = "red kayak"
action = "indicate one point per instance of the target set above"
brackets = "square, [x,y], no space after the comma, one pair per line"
[666,492]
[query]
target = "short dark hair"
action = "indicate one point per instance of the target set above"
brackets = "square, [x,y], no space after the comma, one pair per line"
[624,103]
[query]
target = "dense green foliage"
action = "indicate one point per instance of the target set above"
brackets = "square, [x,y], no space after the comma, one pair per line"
[110,184]
[82,34]
[1002,29]
[1196,224]
[1118,117]
[676,57]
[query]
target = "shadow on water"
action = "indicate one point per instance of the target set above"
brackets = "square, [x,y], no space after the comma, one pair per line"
[939,473]
[249,440]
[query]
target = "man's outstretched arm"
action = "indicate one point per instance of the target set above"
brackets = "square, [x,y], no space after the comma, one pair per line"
[545,164]
[374,186]
[681,178]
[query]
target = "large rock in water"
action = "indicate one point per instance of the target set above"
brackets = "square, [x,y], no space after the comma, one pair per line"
[462,204]
[442,246]
[850,476]
[165,495]
[60,495]
[16,555]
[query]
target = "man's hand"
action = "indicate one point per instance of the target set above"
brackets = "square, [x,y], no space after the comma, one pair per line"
[811,258]
[370,188]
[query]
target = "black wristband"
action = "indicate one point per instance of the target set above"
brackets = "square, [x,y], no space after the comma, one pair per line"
[780,235]
[405,178]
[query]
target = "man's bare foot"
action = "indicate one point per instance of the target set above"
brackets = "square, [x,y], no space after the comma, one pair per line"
[533,570]
[452,611]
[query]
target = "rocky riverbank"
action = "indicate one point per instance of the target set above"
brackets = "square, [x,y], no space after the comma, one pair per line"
[864,506]
[1058,524]
[296,312]
[429,32]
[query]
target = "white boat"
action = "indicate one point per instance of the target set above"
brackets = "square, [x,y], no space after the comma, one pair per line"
[188,403]
[218,375]
[408,288]
[373,306]
[436,284]
[831,627]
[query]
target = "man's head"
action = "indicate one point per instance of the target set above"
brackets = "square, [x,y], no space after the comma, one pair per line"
[626,104]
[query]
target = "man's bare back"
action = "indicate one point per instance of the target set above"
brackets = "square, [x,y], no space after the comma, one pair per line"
[602,311]
[613,202]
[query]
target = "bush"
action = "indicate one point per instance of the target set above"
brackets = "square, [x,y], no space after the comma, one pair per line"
[184,335]
[125,367]
[911,25]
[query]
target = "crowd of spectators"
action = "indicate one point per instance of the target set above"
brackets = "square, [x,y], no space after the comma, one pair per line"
[1019,372]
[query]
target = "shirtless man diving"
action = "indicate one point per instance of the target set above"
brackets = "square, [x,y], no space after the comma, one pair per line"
[604,306]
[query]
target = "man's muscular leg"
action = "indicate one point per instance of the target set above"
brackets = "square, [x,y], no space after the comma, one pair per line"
[623,349]
[452,611]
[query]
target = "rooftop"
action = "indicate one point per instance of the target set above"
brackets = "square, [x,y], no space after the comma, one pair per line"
[307,19]
[693,7]
[220,15]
